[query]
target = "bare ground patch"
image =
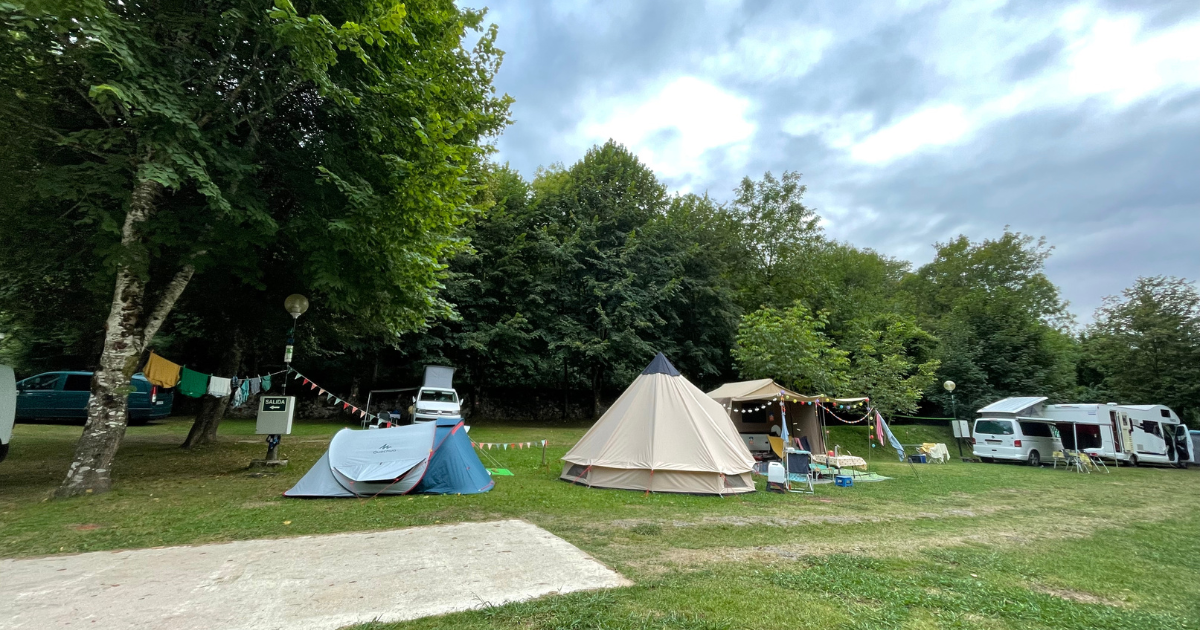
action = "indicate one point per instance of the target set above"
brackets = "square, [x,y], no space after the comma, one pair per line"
[1075,596]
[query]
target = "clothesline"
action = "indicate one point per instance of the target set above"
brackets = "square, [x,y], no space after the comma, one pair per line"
[165,373]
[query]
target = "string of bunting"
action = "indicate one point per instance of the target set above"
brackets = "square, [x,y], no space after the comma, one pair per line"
[729,407]
[346,405]
[507,445]
[843,420]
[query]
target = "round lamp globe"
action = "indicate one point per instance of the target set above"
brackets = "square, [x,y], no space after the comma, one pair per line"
[295,304]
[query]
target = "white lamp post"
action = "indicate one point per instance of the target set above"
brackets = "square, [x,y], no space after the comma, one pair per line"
[295,304]
[949,386]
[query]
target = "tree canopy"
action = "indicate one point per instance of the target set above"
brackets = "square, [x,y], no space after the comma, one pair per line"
[343,141]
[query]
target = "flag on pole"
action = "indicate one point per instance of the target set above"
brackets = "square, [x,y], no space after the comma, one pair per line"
[886,430]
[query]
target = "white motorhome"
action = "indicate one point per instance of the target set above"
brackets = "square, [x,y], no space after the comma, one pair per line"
[1136,434]
[1013,429]
[436,398]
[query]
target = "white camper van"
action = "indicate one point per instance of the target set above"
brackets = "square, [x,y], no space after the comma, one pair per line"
[1013,429]
[436,398]
[1137,434]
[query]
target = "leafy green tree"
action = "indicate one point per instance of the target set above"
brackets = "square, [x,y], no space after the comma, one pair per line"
[777,233]
[344,138]
[604,310]
[891,361]
[1002,324]
[1145,345]
[789,345]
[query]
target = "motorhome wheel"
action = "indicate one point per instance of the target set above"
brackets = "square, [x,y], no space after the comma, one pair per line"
[3,451]
[1133,461]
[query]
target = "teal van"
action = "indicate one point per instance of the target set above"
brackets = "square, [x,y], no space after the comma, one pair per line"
[65,395]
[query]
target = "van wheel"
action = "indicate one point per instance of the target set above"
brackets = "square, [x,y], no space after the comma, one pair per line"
[3,451]
[1035,459]
[986,460]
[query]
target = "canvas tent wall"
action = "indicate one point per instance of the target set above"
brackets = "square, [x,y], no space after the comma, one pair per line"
[743,399]
[663,435]
[8,408]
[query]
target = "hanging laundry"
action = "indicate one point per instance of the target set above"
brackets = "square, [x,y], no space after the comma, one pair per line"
[161,372]
[256,384]
[266,382]
[192,383]
[218,386]
[244,388]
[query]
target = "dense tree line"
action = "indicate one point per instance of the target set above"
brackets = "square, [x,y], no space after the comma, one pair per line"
[575,279]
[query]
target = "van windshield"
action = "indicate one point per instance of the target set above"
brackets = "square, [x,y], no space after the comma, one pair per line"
[434,395]
[994,427]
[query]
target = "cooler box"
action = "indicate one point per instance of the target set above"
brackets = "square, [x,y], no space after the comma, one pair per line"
[844,481]
[919,458]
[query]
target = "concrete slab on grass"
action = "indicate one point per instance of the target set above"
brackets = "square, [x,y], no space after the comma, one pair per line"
[304,583]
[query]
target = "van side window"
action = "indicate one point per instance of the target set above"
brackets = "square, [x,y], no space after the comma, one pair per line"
[1036,429]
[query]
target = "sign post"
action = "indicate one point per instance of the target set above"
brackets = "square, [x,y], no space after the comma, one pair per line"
[275,415]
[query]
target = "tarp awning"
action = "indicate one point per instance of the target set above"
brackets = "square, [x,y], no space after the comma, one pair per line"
[768,389]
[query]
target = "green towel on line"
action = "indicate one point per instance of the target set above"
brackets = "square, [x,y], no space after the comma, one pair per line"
[193,383]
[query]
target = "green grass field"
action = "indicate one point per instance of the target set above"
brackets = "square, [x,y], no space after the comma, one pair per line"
[962,546]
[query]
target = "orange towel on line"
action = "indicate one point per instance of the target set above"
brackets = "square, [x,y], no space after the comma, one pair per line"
[161,372]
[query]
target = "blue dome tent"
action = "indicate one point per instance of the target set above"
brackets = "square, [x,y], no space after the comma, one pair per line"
[454,467]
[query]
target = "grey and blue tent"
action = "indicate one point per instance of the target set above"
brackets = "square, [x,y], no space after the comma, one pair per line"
[423,458]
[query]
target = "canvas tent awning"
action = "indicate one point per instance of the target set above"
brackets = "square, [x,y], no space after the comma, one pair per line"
[768,389]
[804,420]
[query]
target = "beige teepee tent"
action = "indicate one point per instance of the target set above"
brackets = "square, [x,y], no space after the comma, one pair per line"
[664,435]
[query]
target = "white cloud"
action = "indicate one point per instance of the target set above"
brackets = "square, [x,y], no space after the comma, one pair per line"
[674,129]
[769,52]
[933,126]
[1109,57]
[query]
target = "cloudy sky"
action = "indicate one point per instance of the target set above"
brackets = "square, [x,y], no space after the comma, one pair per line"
[911,124]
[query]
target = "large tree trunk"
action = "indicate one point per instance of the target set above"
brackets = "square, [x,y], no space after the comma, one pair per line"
[212,409]
[127,333]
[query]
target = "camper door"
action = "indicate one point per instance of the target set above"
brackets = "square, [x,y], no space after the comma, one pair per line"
[1183,443]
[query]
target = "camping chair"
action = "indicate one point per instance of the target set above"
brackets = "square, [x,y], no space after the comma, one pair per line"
[1074,459]
[798,464]
[1093,461]
[1058,457]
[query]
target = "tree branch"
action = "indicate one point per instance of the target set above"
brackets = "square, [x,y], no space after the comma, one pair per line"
[167,300]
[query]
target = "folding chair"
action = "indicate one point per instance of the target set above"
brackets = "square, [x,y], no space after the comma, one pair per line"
[1075,458]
